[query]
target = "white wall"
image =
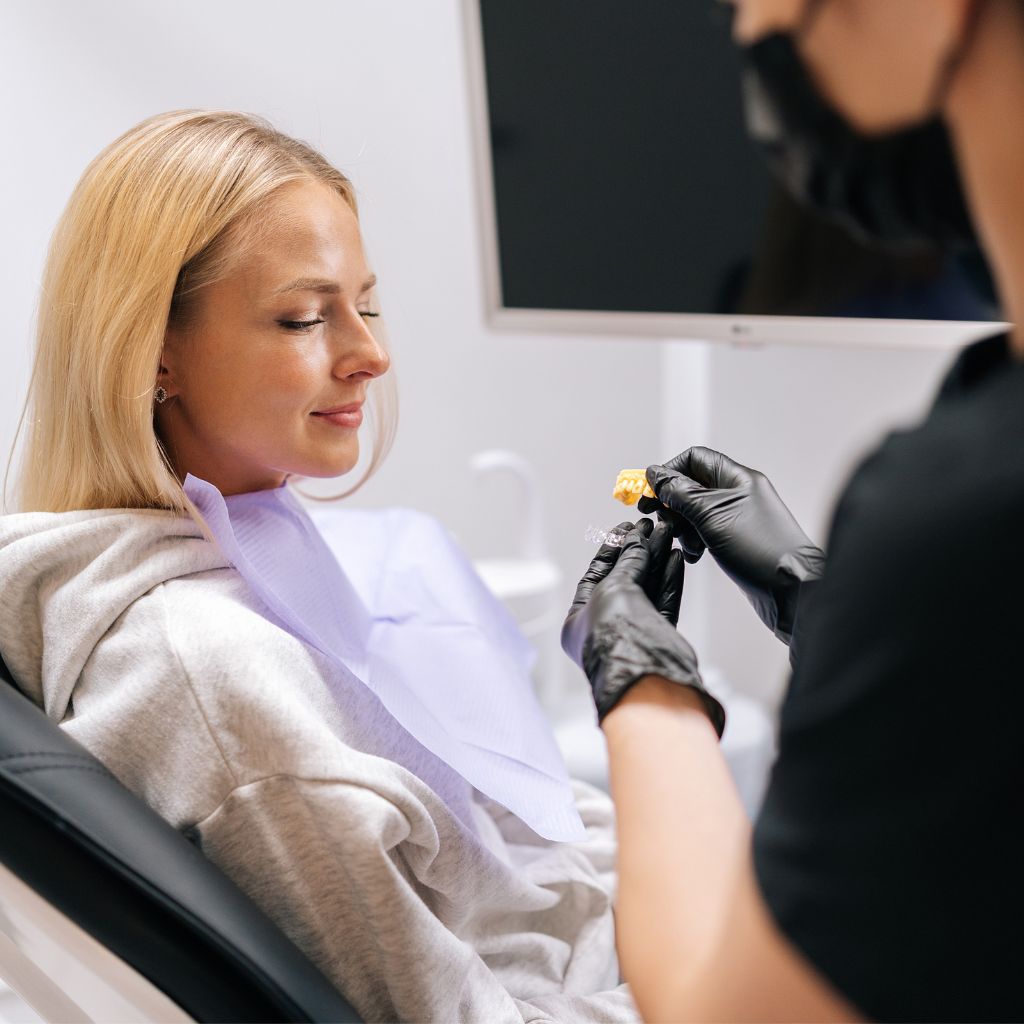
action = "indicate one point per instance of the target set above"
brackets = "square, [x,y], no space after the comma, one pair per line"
[379,86]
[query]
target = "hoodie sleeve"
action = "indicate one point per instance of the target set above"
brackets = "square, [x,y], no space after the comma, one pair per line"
[598,849]
[346,873]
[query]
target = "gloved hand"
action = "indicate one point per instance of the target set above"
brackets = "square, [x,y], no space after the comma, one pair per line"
[736,514]
[622,622]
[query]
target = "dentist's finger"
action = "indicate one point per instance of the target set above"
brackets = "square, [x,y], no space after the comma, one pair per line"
[601,564]
[671,595]
[693,546]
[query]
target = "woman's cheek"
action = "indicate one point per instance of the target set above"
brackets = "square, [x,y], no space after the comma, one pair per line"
[291,380]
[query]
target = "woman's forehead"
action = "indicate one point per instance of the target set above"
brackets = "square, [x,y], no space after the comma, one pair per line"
[307,217]
[310,232]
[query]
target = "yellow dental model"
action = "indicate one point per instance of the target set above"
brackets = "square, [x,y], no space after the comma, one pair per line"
[631,485]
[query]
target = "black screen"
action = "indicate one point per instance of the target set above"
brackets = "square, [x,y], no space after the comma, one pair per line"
[624,179]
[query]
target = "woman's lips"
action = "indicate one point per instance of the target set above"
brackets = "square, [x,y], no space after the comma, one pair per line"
[344,416]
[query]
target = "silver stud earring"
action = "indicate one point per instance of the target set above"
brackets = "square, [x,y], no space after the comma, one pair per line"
[160,394]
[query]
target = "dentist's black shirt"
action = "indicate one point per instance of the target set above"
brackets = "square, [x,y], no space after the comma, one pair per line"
[889,849]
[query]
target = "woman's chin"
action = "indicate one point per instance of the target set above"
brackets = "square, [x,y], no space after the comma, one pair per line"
[322,462]
[326,469]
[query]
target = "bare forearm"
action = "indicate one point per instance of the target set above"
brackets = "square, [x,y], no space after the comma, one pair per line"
[682,832]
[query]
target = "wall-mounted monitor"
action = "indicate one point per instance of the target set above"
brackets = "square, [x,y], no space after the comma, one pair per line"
[619,192]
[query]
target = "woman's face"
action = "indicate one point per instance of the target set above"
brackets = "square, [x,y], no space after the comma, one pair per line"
[270,375]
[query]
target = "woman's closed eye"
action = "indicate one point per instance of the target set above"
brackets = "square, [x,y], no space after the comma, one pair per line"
[299,325]
[308,325]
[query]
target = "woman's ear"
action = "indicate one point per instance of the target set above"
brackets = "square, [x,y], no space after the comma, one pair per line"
[166,378]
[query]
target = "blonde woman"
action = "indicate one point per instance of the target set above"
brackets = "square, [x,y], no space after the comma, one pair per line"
[338,717]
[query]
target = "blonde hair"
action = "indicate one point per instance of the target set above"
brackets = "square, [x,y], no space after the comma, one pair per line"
[162,212]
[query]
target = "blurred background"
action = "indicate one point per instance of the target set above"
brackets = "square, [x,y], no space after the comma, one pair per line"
[381,87]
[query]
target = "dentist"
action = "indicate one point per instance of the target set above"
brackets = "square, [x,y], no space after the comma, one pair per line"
[882,878]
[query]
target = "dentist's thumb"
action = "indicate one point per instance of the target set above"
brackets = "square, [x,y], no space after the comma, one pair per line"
[679,502]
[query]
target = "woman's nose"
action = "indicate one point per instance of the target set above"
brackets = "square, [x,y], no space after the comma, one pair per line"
[368,359]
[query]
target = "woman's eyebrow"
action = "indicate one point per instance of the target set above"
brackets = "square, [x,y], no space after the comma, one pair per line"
[322,284]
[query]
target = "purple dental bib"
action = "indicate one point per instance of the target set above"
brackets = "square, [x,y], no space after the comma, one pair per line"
[391,600]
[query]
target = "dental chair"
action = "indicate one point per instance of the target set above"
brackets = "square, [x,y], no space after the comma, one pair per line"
[107,913]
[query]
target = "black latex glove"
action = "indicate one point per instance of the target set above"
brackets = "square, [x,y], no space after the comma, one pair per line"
[711,501]
[622,622]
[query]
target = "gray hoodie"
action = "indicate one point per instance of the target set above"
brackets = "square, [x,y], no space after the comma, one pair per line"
[418,897]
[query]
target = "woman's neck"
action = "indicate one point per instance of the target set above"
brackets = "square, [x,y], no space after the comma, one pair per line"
[983,111]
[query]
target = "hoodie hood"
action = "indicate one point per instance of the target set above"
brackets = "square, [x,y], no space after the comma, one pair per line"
[66,577]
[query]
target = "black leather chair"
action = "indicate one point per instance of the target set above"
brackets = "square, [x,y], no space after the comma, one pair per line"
[97,854]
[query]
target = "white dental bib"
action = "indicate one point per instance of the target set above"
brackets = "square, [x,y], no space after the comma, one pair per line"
[391,599]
